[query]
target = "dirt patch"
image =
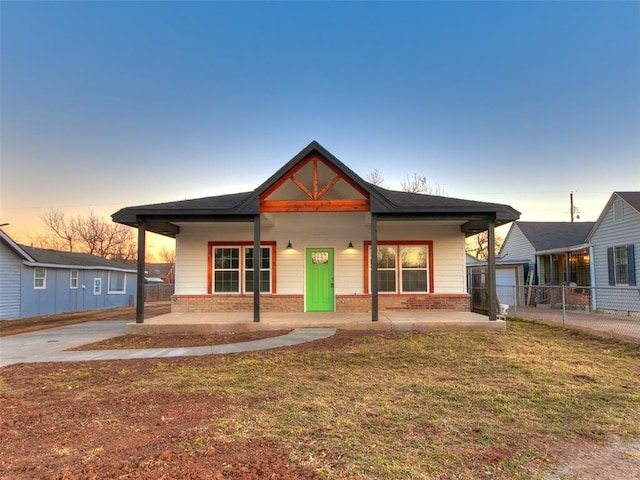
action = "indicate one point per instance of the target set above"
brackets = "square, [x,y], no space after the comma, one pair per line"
[615,460]
[178,340]
[160,436]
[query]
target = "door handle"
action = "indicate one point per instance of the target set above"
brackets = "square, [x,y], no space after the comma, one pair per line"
[331,285]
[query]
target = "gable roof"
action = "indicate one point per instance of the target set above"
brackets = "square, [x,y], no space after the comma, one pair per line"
[83,261]
[161,217]
[631,198]
[17,249]
[552,235]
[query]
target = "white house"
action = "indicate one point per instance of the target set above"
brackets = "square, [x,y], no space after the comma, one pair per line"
[316,223]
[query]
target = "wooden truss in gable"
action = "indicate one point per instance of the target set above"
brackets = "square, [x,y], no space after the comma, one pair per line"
[315,193]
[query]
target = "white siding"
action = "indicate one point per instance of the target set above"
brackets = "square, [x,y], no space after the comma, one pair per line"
[331,230]
[10,265]
[516,247]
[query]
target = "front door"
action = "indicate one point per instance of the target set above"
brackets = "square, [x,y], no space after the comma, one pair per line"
[319,281]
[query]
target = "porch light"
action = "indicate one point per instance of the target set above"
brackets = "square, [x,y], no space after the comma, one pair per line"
[350,247]
[289,246]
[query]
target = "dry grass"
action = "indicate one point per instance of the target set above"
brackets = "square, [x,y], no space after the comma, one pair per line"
[394,406]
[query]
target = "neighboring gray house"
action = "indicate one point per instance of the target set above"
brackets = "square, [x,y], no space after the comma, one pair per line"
[614,241]
[556,252]
[37,281]
[535,253]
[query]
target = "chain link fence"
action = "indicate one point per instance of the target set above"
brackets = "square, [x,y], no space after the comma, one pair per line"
[608,311]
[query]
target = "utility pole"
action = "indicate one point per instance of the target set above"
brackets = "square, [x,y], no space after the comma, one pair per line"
[571,201]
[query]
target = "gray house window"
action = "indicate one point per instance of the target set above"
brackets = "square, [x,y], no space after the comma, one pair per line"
[621,262]
[39,278]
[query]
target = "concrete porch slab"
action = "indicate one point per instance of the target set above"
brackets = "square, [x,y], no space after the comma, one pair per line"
[207,323]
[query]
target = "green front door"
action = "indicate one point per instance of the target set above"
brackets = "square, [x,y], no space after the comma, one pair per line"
[319,281]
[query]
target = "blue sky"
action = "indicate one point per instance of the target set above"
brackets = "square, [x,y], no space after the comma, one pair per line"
[113,104]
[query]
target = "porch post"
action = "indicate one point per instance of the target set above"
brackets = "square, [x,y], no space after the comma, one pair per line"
[374,267]
[491,267]
[256,268]
[142,230]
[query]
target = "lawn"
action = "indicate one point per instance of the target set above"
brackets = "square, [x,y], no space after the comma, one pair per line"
[358,405]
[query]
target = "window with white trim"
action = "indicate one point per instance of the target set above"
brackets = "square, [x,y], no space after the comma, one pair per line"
[226,269]
[387,268]
[73,279]
[413,269]
[117,282]
[233,269]
[39,278]
[265,269]
[97,286]
[402,268]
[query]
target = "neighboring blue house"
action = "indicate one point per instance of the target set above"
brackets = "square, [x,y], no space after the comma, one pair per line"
[37,281]
[614,243]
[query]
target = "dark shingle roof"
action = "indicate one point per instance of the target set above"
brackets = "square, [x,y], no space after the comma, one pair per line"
[548,235]
[55,257]
[162,217]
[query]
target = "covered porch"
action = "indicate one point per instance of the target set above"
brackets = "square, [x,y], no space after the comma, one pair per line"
[236,322]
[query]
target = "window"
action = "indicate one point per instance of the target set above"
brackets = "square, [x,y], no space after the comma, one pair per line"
[117,282]
[621,262]
[265,269]
[414,269]
[97,286]
[73,279]
[227,270]
[387,269]
[403,267]
[40,278]
[232,267]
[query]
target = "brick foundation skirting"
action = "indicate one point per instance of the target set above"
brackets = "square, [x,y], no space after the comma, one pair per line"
[295,303]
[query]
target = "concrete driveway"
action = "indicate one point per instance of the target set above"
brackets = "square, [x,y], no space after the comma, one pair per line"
[49,345]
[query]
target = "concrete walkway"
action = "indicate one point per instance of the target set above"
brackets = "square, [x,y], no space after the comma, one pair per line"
[49,345]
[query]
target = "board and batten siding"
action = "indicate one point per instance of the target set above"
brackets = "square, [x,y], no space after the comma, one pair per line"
[59,297]
[10,265]
[327,230]
[611,233]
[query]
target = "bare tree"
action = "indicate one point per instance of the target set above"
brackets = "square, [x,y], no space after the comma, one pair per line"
[478,245]
[91,234]
[418,184]
[376,178]
[167,255]
[59,228]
